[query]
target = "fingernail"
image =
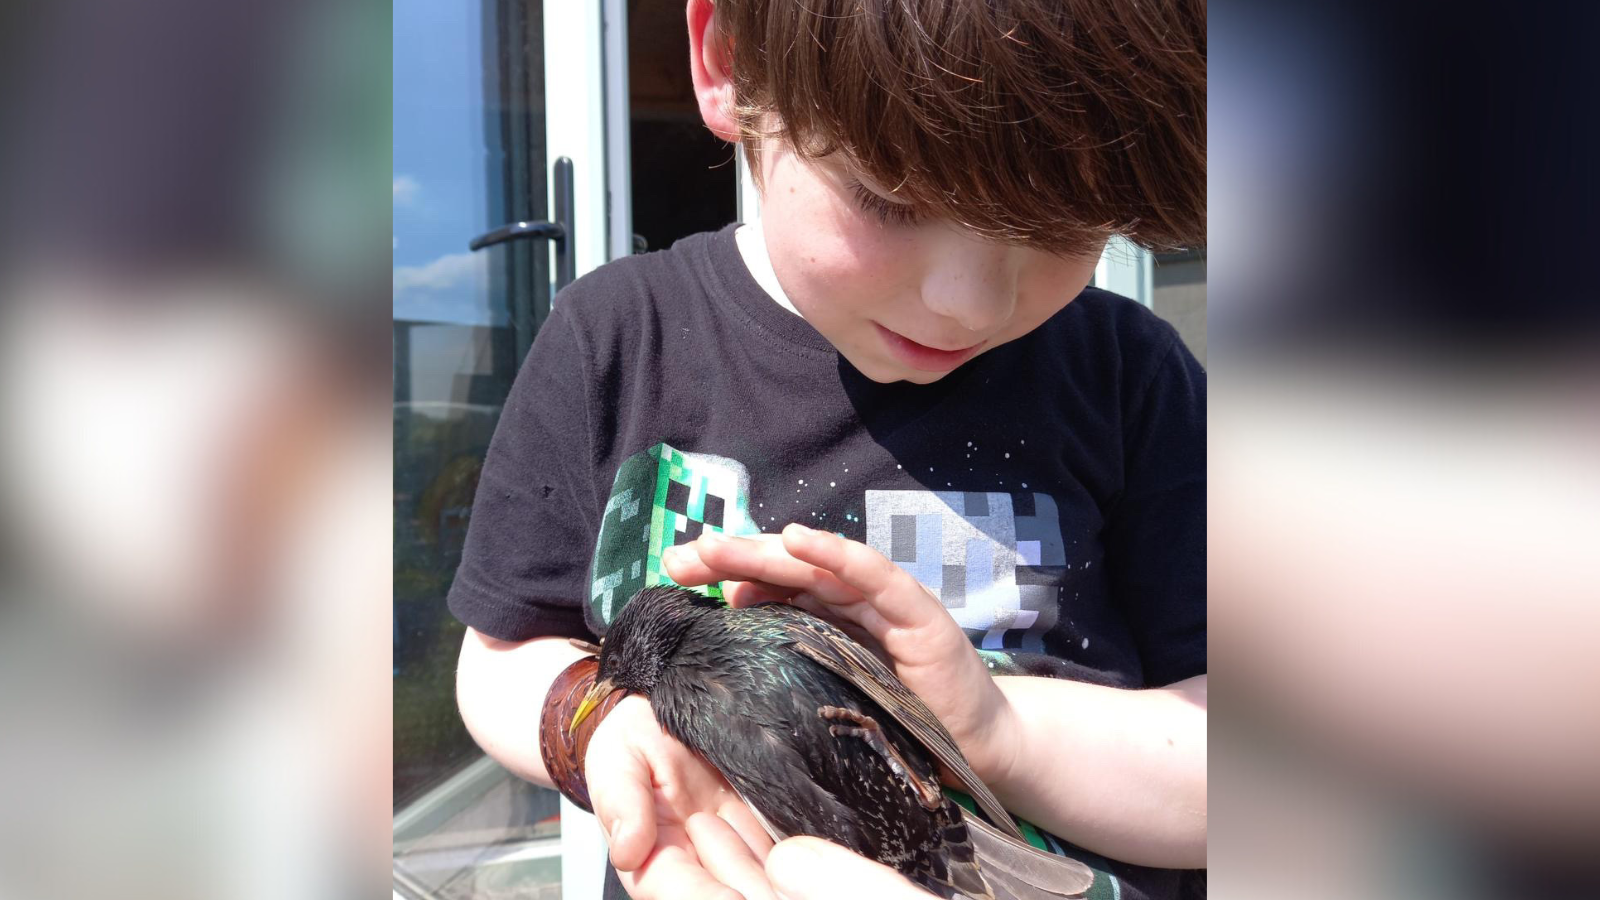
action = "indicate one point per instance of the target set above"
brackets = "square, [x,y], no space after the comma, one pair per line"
[713,537]
[670,554]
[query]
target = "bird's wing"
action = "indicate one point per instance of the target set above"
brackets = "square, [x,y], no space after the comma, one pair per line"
[838,653]
[1020,871]
[755,810]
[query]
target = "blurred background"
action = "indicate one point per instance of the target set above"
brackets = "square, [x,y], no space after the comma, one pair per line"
[1404,452]
[224,463]
[195,475]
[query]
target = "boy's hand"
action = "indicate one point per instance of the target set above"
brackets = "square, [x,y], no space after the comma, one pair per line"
[677,830]
[808,868]
[800,868]
[857,588]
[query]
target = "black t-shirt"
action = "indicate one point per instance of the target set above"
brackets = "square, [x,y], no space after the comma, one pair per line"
[1051,491]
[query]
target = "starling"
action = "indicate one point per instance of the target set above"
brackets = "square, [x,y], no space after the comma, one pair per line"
[819,738]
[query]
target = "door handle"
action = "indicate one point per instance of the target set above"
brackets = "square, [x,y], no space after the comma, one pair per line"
[559,232]
[547,230]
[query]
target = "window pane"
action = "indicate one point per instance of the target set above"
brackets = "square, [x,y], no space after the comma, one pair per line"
[468,157]
[1180,296]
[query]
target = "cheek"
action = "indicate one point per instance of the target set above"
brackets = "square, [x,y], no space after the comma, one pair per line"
[830,260]
[1045,287]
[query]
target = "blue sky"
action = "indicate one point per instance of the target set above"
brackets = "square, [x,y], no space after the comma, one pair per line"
[438,162]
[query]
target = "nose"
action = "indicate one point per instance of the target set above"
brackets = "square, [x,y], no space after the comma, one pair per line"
[973,282]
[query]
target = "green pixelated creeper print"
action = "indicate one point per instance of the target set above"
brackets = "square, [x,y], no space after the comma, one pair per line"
[662,497]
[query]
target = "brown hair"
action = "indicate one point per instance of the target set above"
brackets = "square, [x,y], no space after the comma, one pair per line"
[1052,123]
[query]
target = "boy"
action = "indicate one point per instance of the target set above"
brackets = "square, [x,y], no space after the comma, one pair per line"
[1004,469]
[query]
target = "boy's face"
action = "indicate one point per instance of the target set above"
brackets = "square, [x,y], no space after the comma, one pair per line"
[902,300]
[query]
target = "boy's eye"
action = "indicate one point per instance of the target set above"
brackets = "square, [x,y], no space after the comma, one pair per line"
[887,213]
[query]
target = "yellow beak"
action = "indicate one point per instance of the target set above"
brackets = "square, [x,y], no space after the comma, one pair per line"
[590,701]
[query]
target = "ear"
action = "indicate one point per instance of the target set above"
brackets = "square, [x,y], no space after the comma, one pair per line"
[712,72]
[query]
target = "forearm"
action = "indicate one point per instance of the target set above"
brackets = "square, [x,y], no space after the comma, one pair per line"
[1120,772]
[500,688]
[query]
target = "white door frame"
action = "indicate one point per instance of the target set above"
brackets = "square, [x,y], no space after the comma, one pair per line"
[749,208]
[618,136]
[586,120]
[1126,268]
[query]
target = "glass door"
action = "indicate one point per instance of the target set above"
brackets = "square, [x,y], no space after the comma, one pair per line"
[499,193]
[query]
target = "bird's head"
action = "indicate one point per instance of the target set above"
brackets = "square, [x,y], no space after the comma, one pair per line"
[640,642]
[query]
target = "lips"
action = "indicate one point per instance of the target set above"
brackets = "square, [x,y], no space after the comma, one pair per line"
[921,356]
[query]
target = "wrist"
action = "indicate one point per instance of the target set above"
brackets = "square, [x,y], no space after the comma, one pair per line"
[562,747]
[998,764]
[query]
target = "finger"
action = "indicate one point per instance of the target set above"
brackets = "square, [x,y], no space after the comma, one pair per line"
[685,564]
[770,563]
[674,872]
[858,624]
[727,857]
[741,819]
[806,868]
[740,594]
[745,559]
[899,598]
[684,782]
[624,801]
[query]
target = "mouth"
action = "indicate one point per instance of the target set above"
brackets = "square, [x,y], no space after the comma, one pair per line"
[591,700]
[923,357]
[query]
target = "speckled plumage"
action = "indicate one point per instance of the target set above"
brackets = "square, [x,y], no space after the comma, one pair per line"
[750,690]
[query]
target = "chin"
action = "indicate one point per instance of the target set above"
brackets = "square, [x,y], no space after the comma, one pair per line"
[884,373]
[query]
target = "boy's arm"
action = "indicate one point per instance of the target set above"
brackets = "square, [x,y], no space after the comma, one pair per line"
[1121,772]
[500,688]
[645,786]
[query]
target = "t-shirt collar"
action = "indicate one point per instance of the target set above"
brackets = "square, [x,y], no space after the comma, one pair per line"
[734,284]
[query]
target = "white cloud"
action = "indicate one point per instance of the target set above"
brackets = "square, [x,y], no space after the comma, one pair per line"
[406,189]
[452,270]
[452,288]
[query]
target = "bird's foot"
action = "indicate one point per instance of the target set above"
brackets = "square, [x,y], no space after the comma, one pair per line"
[867,729]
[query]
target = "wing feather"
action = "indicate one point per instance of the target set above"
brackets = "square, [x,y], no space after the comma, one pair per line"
[840,654]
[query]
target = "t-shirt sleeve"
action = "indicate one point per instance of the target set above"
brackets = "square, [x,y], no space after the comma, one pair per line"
[1156,534]
[525,562]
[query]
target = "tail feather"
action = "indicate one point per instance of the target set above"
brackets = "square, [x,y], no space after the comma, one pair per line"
[953,872]
[1018,871]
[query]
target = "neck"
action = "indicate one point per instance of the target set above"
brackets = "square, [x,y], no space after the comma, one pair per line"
[753,248]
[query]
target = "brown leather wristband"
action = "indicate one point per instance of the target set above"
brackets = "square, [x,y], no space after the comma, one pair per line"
[562,748]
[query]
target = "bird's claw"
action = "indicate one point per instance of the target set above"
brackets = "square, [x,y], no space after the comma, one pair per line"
[867,729]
